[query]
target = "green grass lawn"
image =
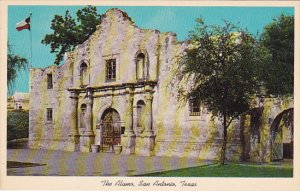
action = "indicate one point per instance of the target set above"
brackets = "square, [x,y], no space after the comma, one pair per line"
[229,170]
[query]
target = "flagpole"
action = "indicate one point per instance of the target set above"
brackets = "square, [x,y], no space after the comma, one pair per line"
[30,64]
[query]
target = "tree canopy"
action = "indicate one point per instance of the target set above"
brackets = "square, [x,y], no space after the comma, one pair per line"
[278,68]
[68,32]
[222,62]
[14,64]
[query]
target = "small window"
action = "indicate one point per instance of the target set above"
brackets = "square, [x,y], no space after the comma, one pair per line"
[49,114]
[110,70]
[194,105]
[49,81]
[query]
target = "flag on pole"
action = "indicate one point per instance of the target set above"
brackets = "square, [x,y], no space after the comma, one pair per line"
[25,24]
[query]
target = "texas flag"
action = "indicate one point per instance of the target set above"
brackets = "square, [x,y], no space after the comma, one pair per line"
[25,24]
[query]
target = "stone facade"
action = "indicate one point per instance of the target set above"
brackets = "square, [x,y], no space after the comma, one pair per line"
[115,91]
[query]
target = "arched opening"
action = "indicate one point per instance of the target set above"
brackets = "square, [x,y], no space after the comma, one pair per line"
[82,117]
[141,67]
[282,135]
[83,74]
[140,108]
[111,129]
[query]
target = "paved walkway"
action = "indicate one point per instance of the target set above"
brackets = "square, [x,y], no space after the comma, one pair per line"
[62,163]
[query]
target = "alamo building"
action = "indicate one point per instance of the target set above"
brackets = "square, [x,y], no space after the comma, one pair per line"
[115,93]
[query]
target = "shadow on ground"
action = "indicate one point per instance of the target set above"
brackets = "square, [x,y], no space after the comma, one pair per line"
[15,164]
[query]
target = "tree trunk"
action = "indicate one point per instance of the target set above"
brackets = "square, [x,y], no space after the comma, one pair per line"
[242,137]
[223,150]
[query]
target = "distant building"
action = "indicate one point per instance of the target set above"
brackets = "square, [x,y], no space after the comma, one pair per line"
[19,101]
[116,90]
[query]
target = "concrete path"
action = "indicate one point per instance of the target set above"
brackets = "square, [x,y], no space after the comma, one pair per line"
[62,163]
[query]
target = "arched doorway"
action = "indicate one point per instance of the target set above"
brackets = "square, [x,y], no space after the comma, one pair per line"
[111,129]
[282,135]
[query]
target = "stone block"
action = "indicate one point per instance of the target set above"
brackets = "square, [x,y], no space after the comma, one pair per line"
[85,142]
[128,144]
[145,145]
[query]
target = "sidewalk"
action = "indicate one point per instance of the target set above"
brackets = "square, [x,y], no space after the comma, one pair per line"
[62,163]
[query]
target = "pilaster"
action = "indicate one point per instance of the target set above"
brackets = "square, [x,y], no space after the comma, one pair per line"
[128,138]
[88,135]
[74,135]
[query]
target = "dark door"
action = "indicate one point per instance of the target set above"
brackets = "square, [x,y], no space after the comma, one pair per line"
[111,129]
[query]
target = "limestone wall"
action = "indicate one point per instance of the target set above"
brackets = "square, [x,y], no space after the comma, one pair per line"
[118,38]
[42,132]
[261,139]
[176,132]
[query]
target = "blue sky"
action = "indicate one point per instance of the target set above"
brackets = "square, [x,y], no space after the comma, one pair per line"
[180,20]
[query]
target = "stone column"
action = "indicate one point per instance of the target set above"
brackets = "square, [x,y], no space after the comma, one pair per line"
[88,116]
[74,135]
[148,114]
[129,114]
[101,134]
[74,114]
[128,138]
[88,135]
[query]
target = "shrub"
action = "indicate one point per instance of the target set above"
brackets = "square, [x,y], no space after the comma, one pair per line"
[17,124]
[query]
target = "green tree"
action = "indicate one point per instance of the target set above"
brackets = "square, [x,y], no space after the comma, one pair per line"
[67,33]
[17,124]
[278,68]
[14,64]
[221,62]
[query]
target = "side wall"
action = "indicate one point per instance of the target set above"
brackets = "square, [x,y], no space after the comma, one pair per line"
[43,133]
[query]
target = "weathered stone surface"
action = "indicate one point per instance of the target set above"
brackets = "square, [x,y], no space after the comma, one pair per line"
[128,143]
[144,145]
[167,127]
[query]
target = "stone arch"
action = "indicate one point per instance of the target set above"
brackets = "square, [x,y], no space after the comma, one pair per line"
[110,110]
[103,108]
[110,123]
[83,61]
[281,132]
[142,65]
